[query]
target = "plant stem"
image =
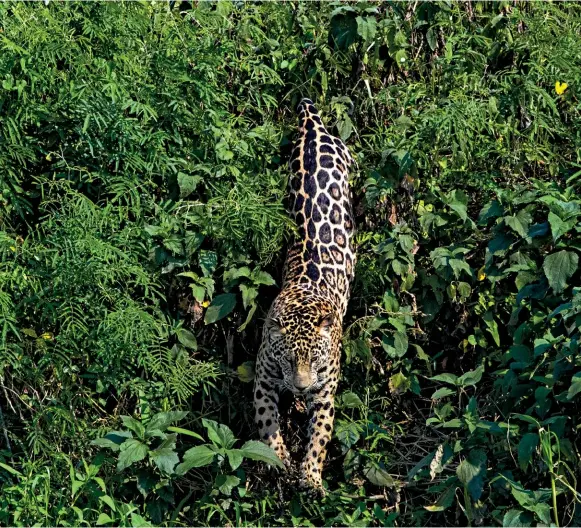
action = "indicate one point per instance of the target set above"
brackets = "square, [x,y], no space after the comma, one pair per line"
[549,453]
[554,491]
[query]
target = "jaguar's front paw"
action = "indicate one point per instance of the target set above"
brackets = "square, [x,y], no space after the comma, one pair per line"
[311,480]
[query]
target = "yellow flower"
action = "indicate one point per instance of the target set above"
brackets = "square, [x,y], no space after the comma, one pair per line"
[481,274]
[47,336]
[560,87]
[205,304]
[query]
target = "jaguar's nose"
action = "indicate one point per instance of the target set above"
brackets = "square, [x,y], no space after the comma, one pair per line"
[302,380]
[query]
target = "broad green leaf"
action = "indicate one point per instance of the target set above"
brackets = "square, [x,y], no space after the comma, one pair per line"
[492,327]
[345,127]
[454,423]
[198,456]
[133,425]
[378,475]
[528,419]
[471,378]
[261,452]
[350,399]
[208,261]
[442,393]
[458,202]
[174,243]
[533,501]
[390,302]
[138,521]
[186,338]
[233,274]
[146,482]
[521,354]
[108,442]
[516,518]
[526,447]
[458,266]
[220,434]
[226,483]
[262,277]
[472,471]
[199,292]
[235,457]
[162,420]
[220,307]
[575,387]
[366,28]
[165,459]
[492,209]
[398,383]
[343,29]
[187,183]
[347,433]
[464,290]
[193,242]
[108,501]
[132,451]
[559,268]
[103,519]
[560,227]
[400,343]
[249,294]
[406,242]
[452,379]
[538,230]
[520,222]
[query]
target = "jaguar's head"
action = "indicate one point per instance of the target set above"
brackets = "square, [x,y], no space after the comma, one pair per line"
[304,334]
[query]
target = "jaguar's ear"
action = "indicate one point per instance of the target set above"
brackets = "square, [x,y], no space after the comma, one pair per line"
[326,324]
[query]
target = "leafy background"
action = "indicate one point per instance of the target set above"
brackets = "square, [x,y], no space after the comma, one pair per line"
[142,233]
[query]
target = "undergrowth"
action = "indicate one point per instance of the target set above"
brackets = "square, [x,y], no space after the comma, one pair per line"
[143,172]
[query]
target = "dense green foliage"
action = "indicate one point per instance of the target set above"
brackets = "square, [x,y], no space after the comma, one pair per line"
[143,152]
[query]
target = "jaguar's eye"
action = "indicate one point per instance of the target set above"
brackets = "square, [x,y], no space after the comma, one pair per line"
[326,324]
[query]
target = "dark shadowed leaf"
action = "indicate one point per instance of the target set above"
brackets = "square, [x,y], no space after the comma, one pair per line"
[472,471]
[378,475]
[221,306]
[526,447]
[516,518]
[559,268]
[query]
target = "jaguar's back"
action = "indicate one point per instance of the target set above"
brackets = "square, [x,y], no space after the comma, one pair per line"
[322,258]
[300,349]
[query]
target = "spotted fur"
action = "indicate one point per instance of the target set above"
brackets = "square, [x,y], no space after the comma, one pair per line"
[301,342]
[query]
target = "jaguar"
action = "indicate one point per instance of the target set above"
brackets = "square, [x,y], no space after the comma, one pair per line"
[301,339]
